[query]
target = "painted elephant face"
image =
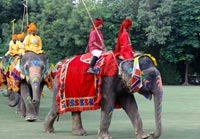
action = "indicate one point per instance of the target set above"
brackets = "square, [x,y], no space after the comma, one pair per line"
[33,68]
[125,71]
[34,71]
[152,85]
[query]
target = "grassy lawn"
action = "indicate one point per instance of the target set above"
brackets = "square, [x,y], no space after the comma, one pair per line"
[181,118]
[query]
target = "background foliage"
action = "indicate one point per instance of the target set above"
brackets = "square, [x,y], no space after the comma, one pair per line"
[167,29]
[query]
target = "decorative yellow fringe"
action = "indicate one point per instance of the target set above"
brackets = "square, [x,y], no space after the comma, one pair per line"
[152,58]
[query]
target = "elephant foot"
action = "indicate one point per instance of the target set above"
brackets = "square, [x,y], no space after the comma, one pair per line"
[142,136]
[48,129]
[155,135]
[13,99]
[6,93]
[79,132]
[49,121]
[104,135]
[22,114]
[31,118]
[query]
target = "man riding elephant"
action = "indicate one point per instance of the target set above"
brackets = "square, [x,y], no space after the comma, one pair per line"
[123,47]
[16,48]
[35,72]
[32,41]
[96,43]
[20,43]
[10,60]
[32,71]
[112,86]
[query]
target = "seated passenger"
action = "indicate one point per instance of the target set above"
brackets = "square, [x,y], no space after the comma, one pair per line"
[32,41]
[20,43]
[124,47]
[13,49]
[96,43]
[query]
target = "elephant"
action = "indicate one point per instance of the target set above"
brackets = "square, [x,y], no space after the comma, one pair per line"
[33,69]
[117,89]
[13,97]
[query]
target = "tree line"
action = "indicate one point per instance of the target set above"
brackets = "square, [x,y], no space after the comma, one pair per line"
[167,29]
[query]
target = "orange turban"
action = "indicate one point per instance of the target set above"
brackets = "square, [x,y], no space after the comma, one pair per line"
[31,27]
[14,36]
[98,22]
[21,35]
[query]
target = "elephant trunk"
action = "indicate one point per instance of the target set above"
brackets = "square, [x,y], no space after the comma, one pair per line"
[35,80]
[36,93]
[158,94]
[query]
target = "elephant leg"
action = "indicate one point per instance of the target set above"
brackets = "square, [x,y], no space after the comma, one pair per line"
[30,108]
[77,127]
[129,104]
[13,99]
[21,110]
[53,113]
[6,93]
[107,107]
[37,105]
[50,119]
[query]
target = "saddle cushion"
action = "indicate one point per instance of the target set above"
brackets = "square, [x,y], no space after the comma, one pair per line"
[79,90]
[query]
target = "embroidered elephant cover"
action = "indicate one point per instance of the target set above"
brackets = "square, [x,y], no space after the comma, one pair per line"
[79,90]
[2,79]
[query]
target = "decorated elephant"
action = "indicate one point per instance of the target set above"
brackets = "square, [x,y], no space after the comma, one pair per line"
[114,84]
[33,69]
[2,76]
[7,79]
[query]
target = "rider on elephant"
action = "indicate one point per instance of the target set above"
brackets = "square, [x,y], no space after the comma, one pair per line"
[20,43]
[13,49]
[124,48]
[12,53]
[32,41]
[96,43]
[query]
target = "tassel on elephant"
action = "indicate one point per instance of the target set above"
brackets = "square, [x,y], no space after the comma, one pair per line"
[117,88]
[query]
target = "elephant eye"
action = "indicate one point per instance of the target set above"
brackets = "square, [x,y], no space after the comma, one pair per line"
[43,69]
[26,69]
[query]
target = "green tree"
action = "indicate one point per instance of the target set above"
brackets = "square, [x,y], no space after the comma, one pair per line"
[115,11]
[9,10]
[184,39]
[154,17]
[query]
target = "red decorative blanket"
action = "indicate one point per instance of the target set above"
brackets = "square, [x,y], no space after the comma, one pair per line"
[79,90]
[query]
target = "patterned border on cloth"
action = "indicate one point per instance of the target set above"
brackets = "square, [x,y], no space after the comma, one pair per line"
[79,90]
[75,103]
[2,79]
[136,82]
[16,70]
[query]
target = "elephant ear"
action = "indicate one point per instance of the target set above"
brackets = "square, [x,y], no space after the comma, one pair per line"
[23,69]
[125,71]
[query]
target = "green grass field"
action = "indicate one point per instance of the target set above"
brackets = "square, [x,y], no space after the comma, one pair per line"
[181,118]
